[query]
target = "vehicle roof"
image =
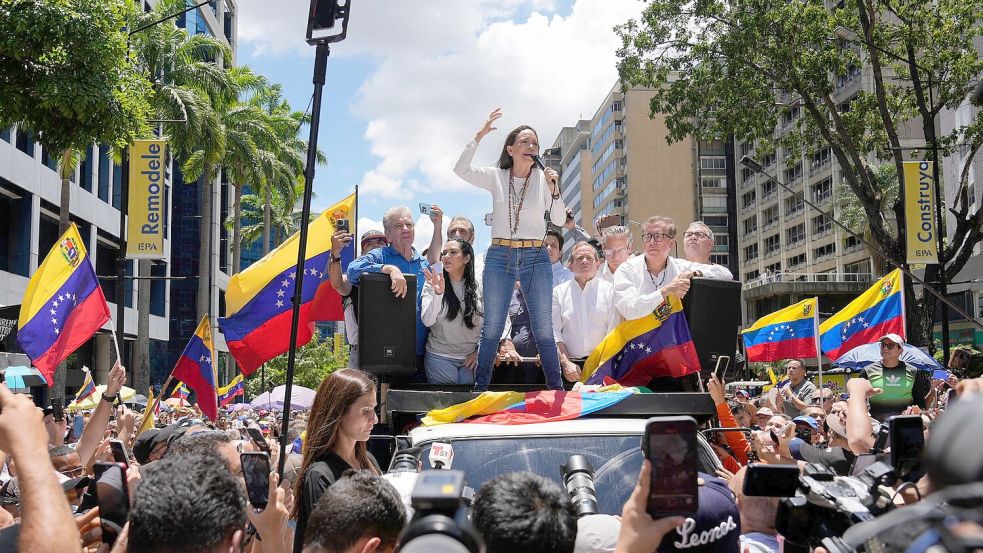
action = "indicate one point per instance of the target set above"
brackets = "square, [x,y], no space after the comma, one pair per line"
[560,428]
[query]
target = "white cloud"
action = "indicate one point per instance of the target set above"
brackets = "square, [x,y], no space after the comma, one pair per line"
[442,67]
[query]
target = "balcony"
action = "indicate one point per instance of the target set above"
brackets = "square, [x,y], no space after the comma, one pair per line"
[806,283]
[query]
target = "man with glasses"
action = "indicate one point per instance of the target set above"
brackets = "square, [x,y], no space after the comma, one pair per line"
[797,395]
[644,282]
[698,243]
[616,245]
[900,385]
[583,311]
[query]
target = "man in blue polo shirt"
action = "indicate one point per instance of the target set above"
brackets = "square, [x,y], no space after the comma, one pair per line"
[396,259]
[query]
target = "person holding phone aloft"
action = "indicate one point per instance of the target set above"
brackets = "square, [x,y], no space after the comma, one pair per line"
[521,193]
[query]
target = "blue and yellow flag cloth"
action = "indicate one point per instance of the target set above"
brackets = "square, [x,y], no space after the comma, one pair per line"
[876,312]
[785,334]
[196,368]
[229,392]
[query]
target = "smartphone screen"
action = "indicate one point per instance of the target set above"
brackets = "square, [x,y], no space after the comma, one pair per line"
[670,444]
[112,498]
[58,411]
[119,452]
[907,439]
[771,480]
[258,439]
[256,471]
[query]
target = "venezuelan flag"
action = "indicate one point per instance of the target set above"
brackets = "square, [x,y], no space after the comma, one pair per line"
[784,334]
[526,407]
[259,298]
[635,352]
[878,311]
[196,368]
[63,305]
[227,393]
[88,386]
[181,391]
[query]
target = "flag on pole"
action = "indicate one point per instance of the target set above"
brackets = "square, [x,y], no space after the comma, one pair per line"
[876,312]
[259,298]
[787,333]
[63,305]
[88,386]
[196,367]
[181,391]
[229,392]
[153,404]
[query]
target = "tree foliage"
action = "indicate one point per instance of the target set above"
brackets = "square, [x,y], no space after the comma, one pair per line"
[65,74]
[315,361]
[746,67]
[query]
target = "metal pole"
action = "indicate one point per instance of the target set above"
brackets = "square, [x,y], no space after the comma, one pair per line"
[320,69]
[940,230]
[124,194]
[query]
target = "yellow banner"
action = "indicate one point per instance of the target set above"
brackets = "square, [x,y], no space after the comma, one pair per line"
[339,342]
[145,208]
[919,196]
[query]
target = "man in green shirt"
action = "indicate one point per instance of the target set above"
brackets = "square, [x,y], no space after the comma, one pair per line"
[901,385]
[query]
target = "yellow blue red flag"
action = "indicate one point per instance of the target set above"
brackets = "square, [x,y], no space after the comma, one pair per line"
[229,392]
[876,312]
[63,305]
[196,368]
[785,334]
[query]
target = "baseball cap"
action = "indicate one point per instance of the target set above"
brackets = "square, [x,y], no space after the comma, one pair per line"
[836,458]
[716,526]
[597,534]
[68,484]
[370,234]
[744,393]
[765,412]
[806,419]
[892,337]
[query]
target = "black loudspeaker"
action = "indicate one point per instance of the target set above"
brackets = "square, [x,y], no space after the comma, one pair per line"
[386,326]
[713,310]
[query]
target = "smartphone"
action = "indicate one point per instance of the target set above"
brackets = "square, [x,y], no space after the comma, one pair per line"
[113,499]
[256,471]
[670,445]
[258,439]
[785,427]
[78,425]
[940,374]
[721,368]
[119,452]
[342,224]
[907,438]
[58,410]
[489,219]
[771,480]
[425,209]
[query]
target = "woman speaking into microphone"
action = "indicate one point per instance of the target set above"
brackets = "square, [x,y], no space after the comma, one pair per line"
[522,191]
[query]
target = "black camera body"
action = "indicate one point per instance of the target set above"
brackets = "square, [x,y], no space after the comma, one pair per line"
[440,521]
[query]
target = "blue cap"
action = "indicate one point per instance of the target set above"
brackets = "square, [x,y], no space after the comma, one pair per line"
[716,526]
[807,420]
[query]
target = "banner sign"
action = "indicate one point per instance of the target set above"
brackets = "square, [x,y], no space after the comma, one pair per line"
[919,196]
[145,208]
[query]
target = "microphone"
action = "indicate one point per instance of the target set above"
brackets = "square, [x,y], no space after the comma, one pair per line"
[441,455]
[542,167]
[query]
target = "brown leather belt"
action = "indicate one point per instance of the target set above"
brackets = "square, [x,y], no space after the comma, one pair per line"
[516,243]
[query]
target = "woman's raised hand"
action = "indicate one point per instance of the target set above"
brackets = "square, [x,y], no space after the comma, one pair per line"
[487,128]
[435,278]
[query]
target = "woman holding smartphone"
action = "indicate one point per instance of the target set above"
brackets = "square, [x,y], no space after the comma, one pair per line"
[451,309]
[341,420]
[521,193]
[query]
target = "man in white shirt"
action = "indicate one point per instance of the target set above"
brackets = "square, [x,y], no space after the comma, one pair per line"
[583,310]
[554,246]
[616,244]
[698,242]
[642,283]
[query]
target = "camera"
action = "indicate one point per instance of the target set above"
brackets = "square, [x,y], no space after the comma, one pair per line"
[440,520]
[578,479]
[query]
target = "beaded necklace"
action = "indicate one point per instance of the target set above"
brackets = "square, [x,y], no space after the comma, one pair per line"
[513,207]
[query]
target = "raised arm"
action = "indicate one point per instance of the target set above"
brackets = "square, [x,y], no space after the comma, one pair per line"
[482,177]
[437,240]
[96,427]
[339,282]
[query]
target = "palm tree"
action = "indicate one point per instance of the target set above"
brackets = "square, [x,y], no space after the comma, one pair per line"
[184,79]
[283,220]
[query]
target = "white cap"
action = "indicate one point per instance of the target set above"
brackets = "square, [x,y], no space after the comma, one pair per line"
[597,534]
[892,337]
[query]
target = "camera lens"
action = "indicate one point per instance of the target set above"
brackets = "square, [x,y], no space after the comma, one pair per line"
[578,478]
[406,460]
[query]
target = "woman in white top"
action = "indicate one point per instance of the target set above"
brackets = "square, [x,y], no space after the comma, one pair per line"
[521,193]
[450,307]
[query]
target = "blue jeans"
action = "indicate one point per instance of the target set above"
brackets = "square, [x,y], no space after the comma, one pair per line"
[531,267]
[447,370]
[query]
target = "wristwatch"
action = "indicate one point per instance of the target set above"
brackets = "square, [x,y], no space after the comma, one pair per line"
[333,259]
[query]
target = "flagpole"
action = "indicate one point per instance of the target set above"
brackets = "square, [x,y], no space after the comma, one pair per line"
[119,358]
[819,351]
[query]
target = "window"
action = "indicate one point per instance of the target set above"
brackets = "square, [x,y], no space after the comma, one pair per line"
[714,203]
[774,267]
[770,216]
[851,243]
[25,141]
[718,163]
[750,252]
[721,239]
[796,234]
[746,175]
[824,251]
[716,221]
[979,305]
[747,200]
[768,188]
[773,244]
[822,190]
[755,274]
[103,191]
[858,268]
[720,259]
[794,206]
[713,182]
[793,173]
[821,224]
[5,134]
[820,159]
[768,160]
[796,261]
[85,169]
[750,225]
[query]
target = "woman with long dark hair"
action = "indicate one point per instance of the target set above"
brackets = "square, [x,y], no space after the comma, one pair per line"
[341,419]
[521,193]
[451,309]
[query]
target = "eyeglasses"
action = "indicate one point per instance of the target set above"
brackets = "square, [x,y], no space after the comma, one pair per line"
[614,252]
[889,345]
[698,234]
[656,237]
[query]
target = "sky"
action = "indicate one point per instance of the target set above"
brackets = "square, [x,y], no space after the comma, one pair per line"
[415,79]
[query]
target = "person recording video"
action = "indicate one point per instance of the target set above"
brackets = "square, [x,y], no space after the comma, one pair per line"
[521,194]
